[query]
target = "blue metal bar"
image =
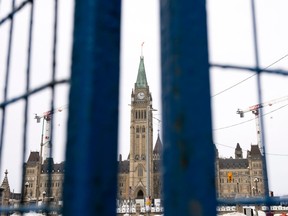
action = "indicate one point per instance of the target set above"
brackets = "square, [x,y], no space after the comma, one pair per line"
[14,11]
[52,102]
[29,208]
[6,83]
[91,152]
[237,67]
[26,98]
[188,173]
[259,93]
[33,91]
[253,200]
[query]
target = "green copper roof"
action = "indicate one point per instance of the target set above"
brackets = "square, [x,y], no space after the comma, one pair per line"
[141,81]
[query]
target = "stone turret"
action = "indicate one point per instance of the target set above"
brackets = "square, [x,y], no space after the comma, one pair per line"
[5,188]
[238,152]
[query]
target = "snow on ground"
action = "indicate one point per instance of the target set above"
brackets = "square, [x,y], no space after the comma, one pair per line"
[260,213]
[28,214]
[233,214]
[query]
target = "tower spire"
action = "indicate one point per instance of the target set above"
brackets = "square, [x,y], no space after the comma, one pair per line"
[141,81]
[142,49]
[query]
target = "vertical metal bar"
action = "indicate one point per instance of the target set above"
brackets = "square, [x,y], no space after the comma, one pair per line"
[52,105]
[148,161]
[259,91]
[6,80]
[26,98]
[188,173]
[91,152]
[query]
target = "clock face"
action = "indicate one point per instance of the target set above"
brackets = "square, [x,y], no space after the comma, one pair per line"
[141,95]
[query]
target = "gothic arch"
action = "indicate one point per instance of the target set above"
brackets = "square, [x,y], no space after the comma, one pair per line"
[140,194]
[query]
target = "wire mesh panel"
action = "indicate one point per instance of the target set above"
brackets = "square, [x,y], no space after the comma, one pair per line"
[31,66]
[31,175]
[236,49]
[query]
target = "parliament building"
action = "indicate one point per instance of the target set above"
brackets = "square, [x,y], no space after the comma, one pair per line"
[139,175]
[235,177]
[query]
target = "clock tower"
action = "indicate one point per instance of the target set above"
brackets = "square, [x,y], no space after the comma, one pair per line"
[141,137]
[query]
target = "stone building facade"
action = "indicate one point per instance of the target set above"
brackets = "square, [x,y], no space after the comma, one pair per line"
[246,174]
[133,174]
[36,183]
[37,179]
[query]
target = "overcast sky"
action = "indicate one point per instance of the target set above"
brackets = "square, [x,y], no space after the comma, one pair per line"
[230,42]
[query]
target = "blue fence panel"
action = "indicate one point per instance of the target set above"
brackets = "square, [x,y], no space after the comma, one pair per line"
[91,151]
[90,174]
[189,185]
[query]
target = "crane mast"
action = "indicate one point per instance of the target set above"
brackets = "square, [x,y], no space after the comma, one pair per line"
[255,110]
[45,146]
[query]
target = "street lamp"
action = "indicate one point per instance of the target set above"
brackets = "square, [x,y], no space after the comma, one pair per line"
[26,191]
[256,180]
[254,190]
[38,119]
[149,108]
[44,194]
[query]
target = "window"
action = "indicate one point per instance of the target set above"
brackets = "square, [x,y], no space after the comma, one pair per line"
[140,171]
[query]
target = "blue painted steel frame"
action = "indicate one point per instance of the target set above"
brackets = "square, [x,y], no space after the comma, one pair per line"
[90,181]
[189,180]
[91,167]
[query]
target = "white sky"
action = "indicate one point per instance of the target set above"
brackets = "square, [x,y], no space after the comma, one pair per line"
[230,42]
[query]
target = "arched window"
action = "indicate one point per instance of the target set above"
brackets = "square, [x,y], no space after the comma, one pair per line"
[140,194]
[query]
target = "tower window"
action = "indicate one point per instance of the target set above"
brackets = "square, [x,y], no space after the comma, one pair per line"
[140,171]
[143,129]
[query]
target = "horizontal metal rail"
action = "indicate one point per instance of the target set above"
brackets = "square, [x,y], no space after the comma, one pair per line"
[252,200]
[31,208]
[33,91]
[10,15]
[254,69]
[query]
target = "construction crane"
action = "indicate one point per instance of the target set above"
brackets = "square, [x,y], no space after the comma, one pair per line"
[255,110]
[45,141]
[45,146]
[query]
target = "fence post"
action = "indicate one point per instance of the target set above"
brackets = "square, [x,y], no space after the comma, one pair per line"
[91,152]
[189,184]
